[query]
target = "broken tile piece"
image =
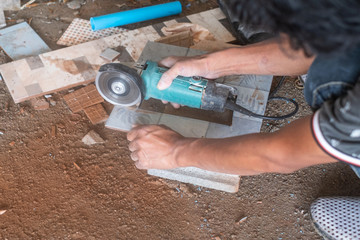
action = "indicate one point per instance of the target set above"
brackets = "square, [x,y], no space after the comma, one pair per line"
[39,103]
[110,54]
[96,113]
[82,98]
[91,138]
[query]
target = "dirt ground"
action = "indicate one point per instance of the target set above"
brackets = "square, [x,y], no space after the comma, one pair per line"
[56,187]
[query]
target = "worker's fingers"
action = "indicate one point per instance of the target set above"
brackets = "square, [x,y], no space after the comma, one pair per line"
[138,131]
[167,78]
[133,146]
[134,156]
[175,105]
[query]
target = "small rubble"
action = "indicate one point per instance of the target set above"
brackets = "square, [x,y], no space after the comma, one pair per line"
[39,103]
[92,138]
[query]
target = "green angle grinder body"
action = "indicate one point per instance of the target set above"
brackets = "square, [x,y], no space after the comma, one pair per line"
[125,86]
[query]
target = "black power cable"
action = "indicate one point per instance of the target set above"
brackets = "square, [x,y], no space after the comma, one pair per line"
[233,106]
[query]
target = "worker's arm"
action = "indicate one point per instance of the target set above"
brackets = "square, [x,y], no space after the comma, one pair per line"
[272,57]
[284,151]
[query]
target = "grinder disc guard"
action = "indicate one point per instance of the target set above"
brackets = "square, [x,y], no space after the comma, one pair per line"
[119,84]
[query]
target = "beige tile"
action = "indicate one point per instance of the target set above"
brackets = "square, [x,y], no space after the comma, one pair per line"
[207,20]
[217,13]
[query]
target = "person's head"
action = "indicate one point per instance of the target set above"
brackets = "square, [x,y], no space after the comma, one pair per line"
[317,26]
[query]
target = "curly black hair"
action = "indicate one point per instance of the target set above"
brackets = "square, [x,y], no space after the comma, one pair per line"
[316,26]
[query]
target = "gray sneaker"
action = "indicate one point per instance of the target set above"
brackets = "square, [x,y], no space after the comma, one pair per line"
[337,217]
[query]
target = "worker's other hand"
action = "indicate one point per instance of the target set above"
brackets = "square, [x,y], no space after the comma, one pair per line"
[183,66]
[155,147]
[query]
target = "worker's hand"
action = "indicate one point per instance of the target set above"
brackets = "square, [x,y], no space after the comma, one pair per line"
[155,147]
[184,66]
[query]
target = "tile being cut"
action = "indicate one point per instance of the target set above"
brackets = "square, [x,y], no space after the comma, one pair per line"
[20,41]
[254,100]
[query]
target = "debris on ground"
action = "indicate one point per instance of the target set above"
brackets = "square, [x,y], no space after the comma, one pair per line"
[92,138]
[75,4]
[2,212]
[39,103]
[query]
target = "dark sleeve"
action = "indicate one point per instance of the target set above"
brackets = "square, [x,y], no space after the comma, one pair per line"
[336,126]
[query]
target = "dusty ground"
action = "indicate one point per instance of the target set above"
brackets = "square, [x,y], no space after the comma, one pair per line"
[47,197]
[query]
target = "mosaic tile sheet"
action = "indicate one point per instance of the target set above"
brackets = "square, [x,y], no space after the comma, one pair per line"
[79,31]
[83,98]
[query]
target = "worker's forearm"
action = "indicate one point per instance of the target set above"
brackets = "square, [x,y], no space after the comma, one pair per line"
[266,58]
[287,150]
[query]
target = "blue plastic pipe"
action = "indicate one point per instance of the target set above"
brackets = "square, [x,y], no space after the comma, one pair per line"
[135,15]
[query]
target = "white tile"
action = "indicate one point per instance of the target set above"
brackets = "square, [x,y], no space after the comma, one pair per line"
[199,177]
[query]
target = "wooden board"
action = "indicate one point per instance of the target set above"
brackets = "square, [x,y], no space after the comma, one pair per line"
[76,65]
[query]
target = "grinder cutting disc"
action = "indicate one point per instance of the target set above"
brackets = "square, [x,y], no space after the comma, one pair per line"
[119,84]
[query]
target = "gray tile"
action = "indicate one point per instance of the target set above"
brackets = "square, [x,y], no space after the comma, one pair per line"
[110,54]
[183,20]
[194,52]
[252,99]
[124,118]
[124,55]
[33,89]
[187,127]
[196,176]
[34,62]
[158,51]
[239,127]
[85,68]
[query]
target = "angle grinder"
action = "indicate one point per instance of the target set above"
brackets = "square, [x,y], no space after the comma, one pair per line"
[128,84]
